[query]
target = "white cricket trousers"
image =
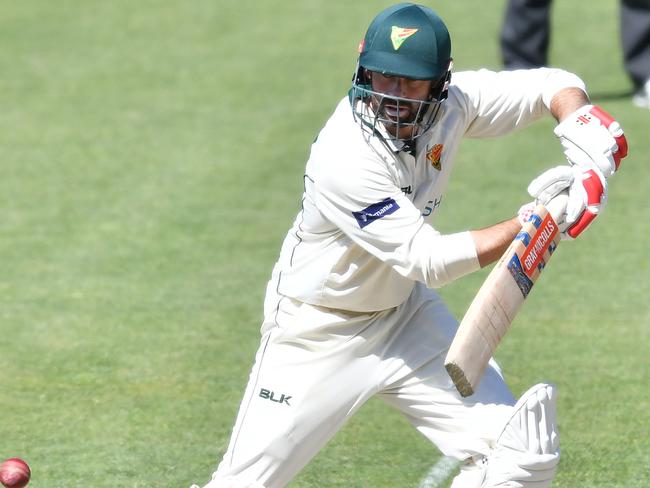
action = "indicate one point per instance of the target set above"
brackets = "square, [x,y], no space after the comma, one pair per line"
[316,367]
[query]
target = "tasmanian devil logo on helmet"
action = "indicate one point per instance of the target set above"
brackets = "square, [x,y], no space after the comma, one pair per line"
[399,34]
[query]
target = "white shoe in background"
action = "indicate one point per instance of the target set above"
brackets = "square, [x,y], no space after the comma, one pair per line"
[642,97]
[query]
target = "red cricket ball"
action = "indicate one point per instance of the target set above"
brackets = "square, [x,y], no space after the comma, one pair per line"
[14,473]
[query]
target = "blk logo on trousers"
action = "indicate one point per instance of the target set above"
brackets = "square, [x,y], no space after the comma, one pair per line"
[274,397]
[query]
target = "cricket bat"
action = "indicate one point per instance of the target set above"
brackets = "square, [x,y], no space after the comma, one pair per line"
[502,294]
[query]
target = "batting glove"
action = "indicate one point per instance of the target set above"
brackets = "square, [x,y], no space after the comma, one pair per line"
[591,138]
[586,191]
[525,212]
[558,210]
[593,188]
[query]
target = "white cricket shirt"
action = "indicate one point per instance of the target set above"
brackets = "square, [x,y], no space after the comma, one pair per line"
[362,237]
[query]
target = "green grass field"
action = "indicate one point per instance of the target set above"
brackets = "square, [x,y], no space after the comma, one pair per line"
[152,155]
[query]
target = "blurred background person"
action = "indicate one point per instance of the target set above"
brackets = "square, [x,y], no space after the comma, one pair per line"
[525,38]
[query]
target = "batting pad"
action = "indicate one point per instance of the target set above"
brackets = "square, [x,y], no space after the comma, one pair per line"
[528,449]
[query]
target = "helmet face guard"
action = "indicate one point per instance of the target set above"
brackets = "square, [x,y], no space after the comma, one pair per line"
[405,41]
[369,108]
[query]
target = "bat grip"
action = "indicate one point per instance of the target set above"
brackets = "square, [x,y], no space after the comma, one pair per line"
[557,206]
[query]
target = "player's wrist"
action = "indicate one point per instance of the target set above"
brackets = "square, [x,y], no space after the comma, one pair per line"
[567,101]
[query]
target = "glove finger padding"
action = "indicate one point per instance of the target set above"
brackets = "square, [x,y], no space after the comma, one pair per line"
[591,136]
[586,188]
[615,130]
[550,183]
[577,202]
[595,191]
[561,180]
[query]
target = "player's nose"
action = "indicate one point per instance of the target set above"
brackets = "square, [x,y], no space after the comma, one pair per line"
[396,87]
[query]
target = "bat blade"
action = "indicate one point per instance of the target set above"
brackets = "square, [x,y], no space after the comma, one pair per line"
[497,302]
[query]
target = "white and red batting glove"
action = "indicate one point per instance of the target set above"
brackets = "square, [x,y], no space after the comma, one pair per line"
[586,191]
[591,136]
[594,142]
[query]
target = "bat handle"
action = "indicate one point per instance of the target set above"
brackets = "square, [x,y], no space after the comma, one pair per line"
[557,206]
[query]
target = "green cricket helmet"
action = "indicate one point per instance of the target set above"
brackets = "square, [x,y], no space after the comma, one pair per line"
[406,41]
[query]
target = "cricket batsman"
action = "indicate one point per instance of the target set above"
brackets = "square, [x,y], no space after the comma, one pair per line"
[351,310]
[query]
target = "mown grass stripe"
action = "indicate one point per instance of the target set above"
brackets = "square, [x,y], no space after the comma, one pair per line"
[439,473]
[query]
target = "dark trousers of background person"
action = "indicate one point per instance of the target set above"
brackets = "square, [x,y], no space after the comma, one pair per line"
[526,31]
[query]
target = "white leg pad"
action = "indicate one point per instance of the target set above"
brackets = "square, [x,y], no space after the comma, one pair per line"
[527,451]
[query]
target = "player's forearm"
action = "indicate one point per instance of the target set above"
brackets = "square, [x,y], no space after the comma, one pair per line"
[491,242]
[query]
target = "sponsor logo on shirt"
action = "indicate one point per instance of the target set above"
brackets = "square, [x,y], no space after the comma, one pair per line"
[434,155]
[375,212]
[431,206]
